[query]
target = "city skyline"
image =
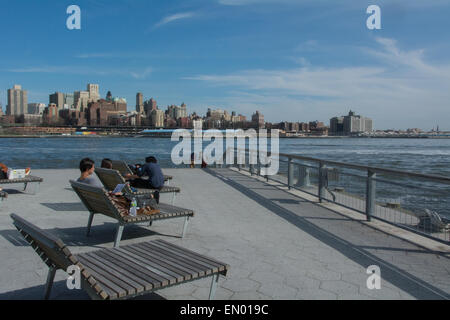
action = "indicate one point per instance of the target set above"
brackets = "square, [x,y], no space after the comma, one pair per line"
[299,60]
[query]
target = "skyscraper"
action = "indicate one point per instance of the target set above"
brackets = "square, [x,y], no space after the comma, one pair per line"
[157,118]
[356,123]
[149,106]
[94,94]
[139,103]
[258,119]
[81,100]
[17,101]
[58,99]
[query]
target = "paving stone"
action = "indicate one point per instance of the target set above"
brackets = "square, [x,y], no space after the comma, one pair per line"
[240,285]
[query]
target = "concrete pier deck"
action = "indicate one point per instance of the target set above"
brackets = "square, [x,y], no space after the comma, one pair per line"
[279,245]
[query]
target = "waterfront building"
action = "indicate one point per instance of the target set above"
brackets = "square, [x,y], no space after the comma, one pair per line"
[93,90]
[81,100]
[157,118]
[139,103]
[176,112]
[337,126]
[51,114]
[149,106]
[36,108]
[356,124]
[217,114]
[105,113]
[68,100]
[57,98]
[17,101]
[258,120]
[184,122]
[31,119]
[350,124]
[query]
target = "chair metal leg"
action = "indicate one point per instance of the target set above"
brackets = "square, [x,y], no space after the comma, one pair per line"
[118,235]
[214,281]
[186,221]
[173,197]
[36,188]
[91,217]
[49,284]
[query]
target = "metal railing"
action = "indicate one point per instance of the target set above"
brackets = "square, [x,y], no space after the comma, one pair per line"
[413,201]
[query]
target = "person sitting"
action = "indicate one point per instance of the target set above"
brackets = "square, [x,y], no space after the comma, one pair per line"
[87,167]
[107,163]
[3,171]
[155,177]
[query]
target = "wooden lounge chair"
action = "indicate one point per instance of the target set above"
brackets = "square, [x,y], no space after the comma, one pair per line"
[97,201]
[25,181]
[125,272]
[111,178]
[124,169]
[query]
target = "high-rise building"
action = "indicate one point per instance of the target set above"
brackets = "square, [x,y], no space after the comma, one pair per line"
[157,118]
[350,124]
[337,126]
[80,100]
[36,108]
[149,106]
[94,94]
[57,98]
[356,123]
[17,101]
[139,103]
[68,100]
[258,119]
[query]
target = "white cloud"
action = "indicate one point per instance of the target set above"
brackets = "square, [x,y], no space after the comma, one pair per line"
[402,88]
[174,17]
[77,70]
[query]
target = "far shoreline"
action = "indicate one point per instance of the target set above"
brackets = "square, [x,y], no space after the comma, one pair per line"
[168,137]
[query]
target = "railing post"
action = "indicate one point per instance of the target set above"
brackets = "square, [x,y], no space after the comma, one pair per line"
[290,173]
[322,173]
[370,194]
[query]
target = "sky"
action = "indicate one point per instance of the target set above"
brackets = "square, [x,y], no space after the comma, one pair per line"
[293,60]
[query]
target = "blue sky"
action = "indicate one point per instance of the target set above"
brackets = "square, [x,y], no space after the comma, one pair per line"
[295,60]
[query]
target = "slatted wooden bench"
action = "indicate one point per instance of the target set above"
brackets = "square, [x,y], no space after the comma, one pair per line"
[110,178]
[124,169]
[97,201]
[28,179]
[125,272]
